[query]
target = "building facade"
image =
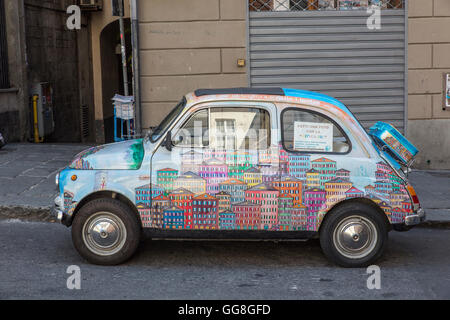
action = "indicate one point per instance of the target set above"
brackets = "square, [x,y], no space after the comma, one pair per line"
[205,43]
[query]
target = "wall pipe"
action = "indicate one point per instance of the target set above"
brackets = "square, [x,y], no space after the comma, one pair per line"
[136,65]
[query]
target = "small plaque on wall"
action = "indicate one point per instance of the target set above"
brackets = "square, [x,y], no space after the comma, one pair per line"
[447,91]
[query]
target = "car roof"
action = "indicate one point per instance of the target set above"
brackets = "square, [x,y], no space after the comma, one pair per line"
[286,92]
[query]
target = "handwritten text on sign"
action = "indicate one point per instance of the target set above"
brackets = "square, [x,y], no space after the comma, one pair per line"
[310,136]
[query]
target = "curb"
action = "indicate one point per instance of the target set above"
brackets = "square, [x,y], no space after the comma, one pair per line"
[30,214]
[33,214]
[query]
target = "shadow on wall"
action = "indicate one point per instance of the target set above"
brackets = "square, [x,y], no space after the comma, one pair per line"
[112,77]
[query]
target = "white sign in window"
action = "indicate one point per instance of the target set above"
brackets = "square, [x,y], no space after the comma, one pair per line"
[311,136]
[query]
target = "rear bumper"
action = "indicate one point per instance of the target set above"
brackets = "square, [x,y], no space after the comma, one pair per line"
[416,218]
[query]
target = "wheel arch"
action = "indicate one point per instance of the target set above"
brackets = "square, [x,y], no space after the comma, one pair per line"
[366,201]
[104,194]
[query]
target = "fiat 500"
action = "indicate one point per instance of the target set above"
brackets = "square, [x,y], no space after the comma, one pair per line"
[244,163]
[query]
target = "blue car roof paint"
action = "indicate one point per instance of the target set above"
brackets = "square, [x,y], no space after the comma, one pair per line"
[317,96]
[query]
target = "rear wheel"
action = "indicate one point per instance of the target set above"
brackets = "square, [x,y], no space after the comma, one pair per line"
[354,235]
[106,232]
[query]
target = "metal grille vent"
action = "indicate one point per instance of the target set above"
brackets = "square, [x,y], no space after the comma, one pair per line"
[303,5]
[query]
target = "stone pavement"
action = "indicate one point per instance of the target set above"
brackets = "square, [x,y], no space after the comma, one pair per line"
[27,176]
[27,181]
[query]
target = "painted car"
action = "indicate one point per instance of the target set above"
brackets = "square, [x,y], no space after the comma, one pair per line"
[238,163]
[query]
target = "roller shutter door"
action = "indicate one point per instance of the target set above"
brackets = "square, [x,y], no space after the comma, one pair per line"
[333,52]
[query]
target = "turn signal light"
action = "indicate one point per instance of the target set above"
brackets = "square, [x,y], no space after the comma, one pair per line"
[413,194]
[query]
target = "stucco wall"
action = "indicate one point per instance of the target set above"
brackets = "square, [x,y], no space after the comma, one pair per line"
[429,60]
[186,45]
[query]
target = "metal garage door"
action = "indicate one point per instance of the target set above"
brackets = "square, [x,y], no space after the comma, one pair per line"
[333,52]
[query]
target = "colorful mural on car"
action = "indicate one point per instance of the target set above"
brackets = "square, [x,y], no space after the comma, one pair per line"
[293,198]
[204,189]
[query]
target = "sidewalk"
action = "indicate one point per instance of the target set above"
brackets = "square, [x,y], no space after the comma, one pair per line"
[27,177]
[27,182]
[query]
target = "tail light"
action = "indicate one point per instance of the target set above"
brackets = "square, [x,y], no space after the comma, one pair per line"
[414,197]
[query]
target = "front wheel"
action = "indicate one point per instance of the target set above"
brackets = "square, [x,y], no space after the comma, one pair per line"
[354,235]
[106,232]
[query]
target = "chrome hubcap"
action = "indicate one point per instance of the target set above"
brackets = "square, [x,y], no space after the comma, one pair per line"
[355,237]
[104,234]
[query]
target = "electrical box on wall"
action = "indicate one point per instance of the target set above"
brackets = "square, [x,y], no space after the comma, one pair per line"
[45,117]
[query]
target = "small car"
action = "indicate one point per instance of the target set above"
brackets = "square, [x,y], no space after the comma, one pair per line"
[243,163]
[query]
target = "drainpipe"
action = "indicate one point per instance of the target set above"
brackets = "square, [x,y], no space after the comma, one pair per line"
[136,69]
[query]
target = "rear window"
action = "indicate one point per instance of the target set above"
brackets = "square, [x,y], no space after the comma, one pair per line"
[307,131]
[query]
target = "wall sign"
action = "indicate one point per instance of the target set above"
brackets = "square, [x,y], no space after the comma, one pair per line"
[312,136]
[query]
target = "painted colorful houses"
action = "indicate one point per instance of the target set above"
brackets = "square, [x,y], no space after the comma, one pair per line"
[192,182]
[315,200]
[336,190]
[158,204]
[397,215]
[173,218]
[235,188]
[285,204]
[299,218]
[370,190]
[312,179]
[269,172]
[326,168]
[343,174]
[145,193]
[282,191]
[224,201]
[291,187]
[238,162]
[253,177]
[205,212]
[354,193]
[214,172]
[146,215]
[396,199]
[165,178]
[299,164]
[267,197]
[182,199]
[248,216]
[386,208]
[227,220]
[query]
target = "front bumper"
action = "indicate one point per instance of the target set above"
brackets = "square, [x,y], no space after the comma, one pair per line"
[416,218]
[59,214]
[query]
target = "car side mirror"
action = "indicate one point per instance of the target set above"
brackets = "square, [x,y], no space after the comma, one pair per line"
[168,141]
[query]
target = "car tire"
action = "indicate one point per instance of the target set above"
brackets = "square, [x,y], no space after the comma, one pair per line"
[354,235]
[106,232]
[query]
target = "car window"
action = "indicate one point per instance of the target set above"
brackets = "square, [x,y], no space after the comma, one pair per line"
[162,127]
[194,133]
[239,128]
[306,131]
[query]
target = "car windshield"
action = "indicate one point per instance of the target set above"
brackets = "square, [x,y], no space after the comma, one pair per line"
[162,128]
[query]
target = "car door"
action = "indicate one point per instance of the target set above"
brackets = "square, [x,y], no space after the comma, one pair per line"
[205,177]
[326,159]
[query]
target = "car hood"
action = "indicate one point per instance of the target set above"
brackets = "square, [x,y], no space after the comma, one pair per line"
[127,155]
